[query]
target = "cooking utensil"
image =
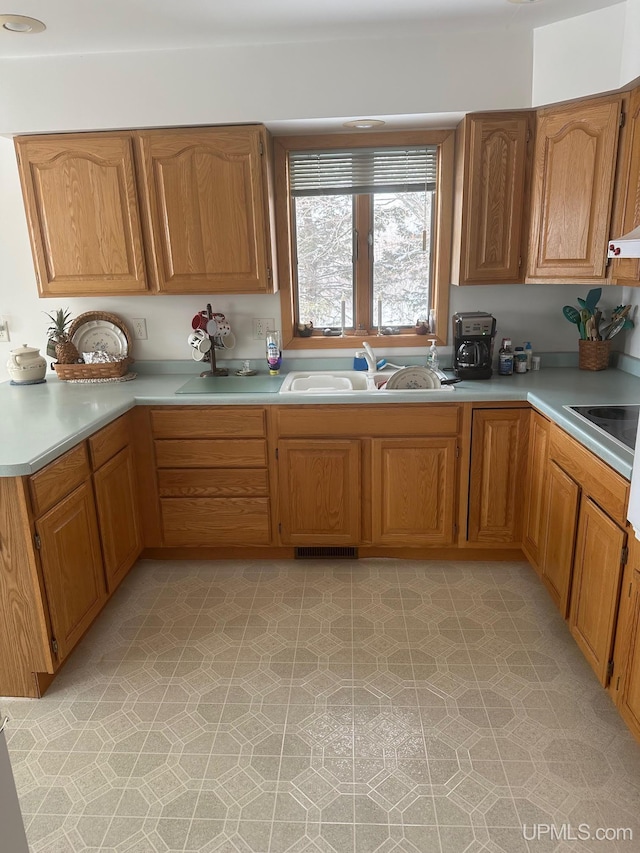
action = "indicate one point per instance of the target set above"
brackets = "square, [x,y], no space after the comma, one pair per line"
[571,313]
[614,328]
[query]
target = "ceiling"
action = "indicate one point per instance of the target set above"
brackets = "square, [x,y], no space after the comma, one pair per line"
[82,26]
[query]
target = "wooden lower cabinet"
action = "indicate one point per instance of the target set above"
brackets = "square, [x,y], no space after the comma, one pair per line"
[215,522]
[117,508]
[71,566]
[320,491]
[562,501]
[625,685]
[534,491]
[499,441]
[595,589]
[413,490]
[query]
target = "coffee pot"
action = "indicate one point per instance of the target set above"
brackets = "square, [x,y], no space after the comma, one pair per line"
[26,365]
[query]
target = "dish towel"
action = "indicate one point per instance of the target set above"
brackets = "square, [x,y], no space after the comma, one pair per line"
[633,513]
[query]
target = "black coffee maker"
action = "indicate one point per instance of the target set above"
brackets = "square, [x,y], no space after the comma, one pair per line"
[473,334]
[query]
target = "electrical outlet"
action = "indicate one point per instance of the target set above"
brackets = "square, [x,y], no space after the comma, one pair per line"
[139,328]
[4,330]
[261,326]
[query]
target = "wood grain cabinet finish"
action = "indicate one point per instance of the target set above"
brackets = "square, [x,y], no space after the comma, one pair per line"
[205,194]
[626,211]
[535,483]
[626,675]
[211,475]
[58,478]
[117,508]
[72,566]
[82,211]
[562,503]
[499,441]
[320,491]
[595,589]
[413,494]
[574,168]
[492,153]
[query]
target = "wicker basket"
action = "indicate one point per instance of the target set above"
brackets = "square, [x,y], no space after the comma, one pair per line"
[108,370]
[593,355]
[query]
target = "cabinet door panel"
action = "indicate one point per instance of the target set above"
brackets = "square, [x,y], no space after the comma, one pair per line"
[82,210]
[72,566]
[562,503]
[495,200]
[627,202]
[629,701]
[205,195]
[572,190]
[320,500]
[499,442]
[534,509]
[414,491]
[118,516]
[596,586]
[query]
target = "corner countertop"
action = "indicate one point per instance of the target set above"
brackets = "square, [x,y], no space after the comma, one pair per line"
[39,422]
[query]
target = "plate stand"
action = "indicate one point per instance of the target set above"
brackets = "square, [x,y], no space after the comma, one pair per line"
[214,369]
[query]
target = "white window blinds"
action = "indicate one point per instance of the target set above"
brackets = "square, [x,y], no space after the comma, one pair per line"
[363,170]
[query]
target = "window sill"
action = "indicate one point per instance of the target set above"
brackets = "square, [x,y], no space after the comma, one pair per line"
[319,342]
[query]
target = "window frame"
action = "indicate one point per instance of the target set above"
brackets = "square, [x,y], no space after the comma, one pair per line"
[442,238]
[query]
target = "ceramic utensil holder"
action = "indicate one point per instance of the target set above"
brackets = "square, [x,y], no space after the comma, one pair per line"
[593,355]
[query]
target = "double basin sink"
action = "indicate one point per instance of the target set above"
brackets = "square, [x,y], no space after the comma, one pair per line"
[335,382]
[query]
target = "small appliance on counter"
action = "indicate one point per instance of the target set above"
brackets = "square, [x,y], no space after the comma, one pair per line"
[473,335]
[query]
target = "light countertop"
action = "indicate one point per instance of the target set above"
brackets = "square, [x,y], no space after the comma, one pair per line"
[39,422]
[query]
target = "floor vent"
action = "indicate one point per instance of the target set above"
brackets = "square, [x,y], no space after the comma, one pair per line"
[335,553]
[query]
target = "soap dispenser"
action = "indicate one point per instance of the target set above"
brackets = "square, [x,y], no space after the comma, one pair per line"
[432,356]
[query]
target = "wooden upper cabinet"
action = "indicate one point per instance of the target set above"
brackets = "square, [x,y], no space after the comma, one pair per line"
[574,167]
[206,198]
[490,198]
[82,212]
[626,210]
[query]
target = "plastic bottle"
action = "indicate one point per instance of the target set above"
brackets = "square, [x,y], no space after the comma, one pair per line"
[528,349]
[519,360]
[274,353]
[505,356]
[432,356]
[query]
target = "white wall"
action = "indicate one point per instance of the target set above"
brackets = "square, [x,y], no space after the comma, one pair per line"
[449,72]
[587,54]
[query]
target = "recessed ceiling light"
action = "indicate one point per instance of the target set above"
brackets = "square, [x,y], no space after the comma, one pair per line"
[364,123]
[21,24]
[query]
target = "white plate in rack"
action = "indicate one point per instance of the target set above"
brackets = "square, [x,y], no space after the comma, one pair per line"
[100,336]
[413,378]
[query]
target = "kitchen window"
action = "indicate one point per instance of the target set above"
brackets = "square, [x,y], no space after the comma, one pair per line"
[364,225]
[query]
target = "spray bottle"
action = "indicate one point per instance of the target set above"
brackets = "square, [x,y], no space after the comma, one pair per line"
[274,352]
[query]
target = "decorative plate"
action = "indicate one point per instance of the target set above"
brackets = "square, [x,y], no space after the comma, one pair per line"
[101,335]
[413,378]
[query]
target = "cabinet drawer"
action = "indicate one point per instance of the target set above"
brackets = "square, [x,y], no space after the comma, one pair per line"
[59,478]
[379,421]
[108,441]
[211,453]
[213,482]
[208,422]
[200,522]
[608,488]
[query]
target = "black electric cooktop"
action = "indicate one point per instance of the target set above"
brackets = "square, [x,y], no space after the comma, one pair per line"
[618,422]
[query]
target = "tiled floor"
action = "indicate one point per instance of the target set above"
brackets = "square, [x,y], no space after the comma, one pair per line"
[378,705]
